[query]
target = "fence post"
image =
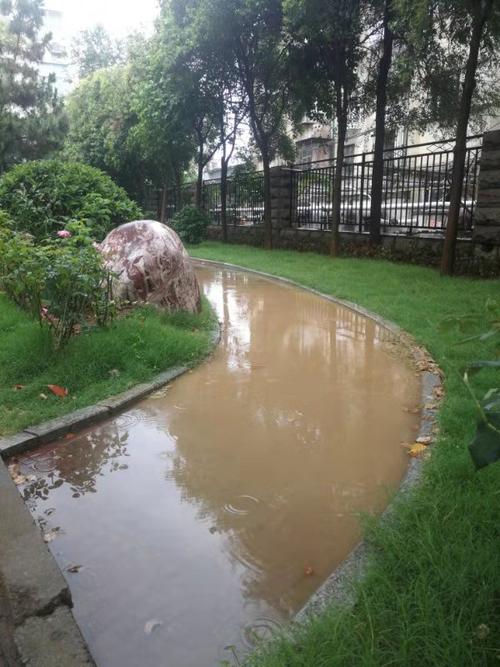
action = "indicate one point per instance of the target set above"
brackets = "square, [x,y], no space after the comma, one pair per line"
[487,215]
[362,193]
[281,196]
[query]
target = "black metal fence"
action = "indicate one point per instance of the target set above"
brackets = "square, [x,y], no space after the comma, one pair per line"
[244,201]
[415,192]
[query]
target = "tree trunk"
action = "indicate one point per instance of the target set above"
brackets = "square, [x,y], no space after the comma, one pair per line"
[223,197]
[459,151]
[268,229]
[337,183]
[380,114]
[199,186]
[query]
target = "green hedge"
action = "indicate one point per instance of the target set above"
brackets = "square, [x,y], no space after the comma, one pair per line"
[42,197]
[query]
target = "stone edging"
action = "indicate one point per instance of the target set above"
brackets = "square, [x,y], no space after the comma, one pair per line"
[33,436]
[36,623]
[339,585]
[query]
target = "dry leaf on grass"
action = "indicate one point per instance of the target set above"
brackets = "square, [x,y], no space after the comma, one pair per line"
[59,391]
[416,450]
[18,387]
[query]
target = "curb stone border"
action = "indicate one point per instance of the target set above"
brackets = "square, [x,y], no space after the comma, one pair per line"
[32,436]
[340,585]
[37,626]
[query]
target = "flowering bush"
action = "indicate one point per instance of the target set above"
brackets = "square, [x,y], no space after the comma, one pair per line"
[41,197]
[62,282]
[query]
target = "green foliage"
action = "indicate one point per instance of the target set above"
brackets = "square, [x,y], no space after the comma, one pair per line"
[32,123]
[42,197]
[101,123]
[94,49]
[191,224]
[62,283]
[94,365]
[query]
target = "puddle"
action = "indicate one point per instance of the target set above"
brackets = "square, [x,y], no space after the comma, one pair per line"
[207,515]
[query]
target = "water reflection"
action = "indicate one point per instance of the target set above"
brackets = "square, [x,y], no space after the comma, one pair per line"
[208,514]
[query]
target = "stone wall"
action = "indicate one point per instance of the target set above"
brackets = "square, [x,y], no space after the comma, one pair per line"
[487,217]
[473,258]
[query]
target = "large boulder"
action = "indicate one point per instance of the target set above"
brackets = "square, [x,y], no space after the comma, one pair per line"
[151,265]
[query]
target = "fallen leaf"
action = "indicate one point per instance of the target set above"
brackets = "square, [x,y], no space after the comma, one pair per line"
[438,392]
[18,387]
[151,625]
[58,390]
[70,436]
[308,571]
[44,397]
[415,450]
[74,569]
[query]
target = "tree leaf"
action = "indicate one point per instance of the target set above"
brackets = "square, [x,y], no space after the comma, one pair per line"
[415,450]
[485,446]
[56,389]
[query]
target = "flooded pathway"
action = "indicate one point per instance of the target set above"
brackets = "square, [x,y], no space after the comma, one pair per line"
[210,512]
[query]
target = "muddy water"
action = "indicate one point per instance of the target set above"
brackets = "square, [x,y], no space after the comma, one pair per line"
[206,515]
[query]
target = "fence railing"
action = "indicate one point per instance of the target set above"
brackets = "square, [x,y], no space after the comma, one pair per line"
[415,192]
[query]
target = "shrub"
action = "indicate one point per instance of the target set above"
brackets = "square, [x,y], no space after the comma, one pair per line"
[41,197]
[63,283]
[5,220]
[191,224]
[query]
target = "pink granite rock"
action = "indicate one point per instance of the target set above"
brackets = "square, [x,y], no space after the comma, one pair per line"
[151,265]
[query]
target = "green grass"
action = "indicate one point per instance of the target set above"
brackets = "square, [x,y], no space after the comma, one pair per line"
[434,574]
[94,365]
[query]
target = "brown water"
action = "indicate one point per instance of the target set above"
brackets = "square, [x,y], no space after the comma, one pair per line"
[209,513]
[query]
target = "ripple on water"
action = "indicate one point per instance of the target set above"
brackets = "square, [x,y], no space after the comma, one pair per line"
[242,505]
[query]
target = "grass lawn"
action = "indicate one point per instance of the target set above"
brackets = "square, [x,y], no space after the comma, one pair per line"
[432,594]
[94,365]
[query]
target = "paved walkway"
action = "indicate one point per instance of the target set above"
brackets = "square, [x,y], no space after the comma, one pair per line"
[37,627]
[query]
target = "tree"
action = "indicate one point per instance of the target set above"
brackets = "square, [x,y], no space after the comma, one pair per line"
[101,120]
[32,123]
[94,49]
[163,133]
[181,72]
[206,54]
[253,39]
[382,79]
[482,17]
[326,38]
[456,44]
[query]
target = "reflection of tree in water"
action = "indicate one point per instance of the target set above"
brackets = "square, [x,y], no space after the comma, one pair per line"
[268,497]
[77,462]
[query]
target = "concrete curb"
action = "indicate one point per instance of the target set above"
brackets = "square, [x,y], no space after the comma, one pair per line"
[36,624]
[32,436]
[340,585]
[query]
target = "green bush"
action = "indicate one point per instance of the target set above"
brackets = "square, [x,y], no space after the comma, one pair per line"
[63,283]
[5,220]
[191,224]
[42,197]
